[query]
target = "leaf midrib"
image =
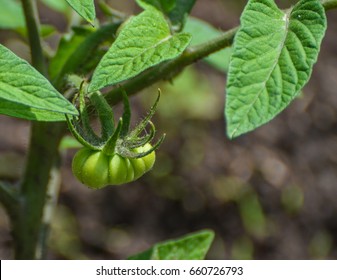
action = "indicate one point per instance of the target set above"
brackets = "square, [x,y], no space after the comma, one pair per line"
[287,19]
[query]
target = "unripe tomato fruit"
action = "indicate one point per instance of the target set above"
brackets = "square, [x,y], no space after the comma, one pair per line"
[97,170]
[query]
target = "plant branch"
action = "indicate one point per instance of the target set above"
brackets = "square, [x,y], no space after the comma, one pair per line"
[167,70]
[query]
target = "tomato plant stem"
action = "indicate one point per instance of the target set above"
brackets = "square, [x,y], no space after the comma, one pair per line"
[42,153]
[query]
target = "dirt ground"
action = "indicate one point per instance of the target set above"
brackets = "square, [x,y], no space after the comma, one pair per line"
[269,194]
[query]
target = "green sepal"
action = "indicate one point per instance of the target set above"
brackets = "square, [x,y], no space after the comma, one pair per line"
[126,115]
[84,117]
[105,114]
[141,141]
[142,125]
[114,141]
[78,137]
[130,154]
[110,146]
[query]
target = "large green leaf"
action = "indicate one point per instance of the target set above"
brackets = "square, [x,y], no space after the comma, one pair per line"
[23,111]
[274,52]
[85,8]
[203,32]
[190,247]
[144,41]
[11,15]
[25,93]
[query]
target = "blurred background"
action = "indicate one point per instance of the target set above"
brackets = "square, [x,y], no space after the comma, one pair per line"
[269,194]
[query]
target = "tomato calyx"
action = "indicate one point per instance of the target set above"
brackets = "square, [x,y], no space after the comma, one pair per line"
[113,139]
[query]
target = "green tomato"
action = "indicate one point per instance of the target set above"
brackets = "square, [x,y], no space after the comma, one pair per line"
[97,170]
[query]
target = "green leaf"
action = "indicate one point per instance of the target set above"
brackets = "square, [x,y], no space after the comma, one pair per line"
[85,8]
[203,32]
[190,247]
[144,41]
[176,10]
[11,15]
[180,12]
[23,111]
[68,45]
[274,53]
[25,93]
[77,52]
[162,5]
